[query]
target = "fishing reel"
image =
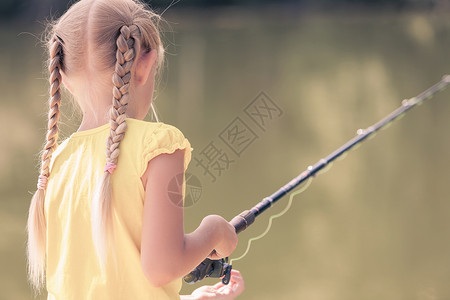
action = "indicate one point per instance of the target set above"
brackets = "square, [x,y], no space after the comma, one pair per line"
[214,268]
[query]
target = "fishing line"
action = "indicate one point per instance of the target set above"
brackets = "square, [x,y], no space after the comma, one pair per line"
[154,112]
[343,156]
[288,206]
[326,169]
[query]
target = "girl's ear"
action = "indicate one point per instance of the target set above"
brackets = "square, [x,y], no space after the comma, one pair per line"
[144,66]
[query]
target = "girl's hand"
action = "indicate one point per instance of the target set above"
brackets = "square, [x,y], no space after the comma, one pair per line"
[229,238]
[220,291]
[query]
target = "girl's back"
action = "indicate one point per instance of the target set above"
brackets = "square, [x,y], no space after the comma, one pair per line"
[78,163]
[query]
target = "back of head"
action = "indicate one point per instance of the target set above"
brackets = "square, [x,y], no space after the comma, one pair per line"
[88,32]
[95,42]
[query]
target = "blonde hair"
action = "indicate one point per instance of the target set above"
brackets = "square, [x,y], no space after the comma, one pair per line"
[99,36]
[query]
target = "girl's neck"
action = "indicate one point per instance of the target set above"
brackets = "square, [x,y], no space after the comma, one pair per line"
[86,125]
[91,120]
[94,117]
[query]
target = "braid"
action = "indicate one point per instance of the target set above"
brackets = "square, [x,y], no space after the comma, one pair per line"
[36,225]
[128,45]
[121,80]
[55,102]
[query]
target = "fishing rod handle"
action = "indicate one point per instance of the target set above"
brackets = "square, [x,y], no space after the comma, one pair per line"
[243,220]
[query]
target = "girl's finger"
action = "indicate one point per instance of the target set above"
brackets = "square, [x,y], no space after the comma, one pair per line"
[227,291]
[222,289]
[235,272]
[236,279]
[238,287]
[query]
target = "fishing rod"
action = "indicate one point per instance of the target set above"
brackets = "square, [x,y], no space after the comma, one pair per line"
[221,268]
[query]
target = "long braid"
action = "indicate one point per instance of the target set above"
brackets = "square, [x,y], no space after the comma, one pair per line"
[128,46]
[36,224]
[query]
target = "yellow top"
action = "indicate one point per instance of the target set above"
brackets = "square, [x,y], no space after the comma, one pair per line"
[73,271]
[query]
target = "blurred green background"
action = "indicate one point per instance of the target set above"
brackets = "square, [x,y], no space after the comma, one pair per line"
[376,226]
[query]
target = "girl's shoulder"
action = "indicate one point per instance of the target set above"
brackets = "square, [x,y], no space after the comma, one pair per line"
[159,132]
[149,139]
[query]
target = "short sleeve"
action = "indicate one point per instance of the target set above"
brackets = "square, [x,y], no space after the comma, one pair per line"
[165,139]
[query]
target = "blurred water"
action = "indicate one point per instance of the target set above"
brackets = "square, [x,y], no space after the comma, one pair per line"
[376,226]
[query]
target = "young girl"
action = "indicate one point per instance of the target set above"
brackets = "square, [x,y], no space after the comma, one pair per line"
[101,225]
